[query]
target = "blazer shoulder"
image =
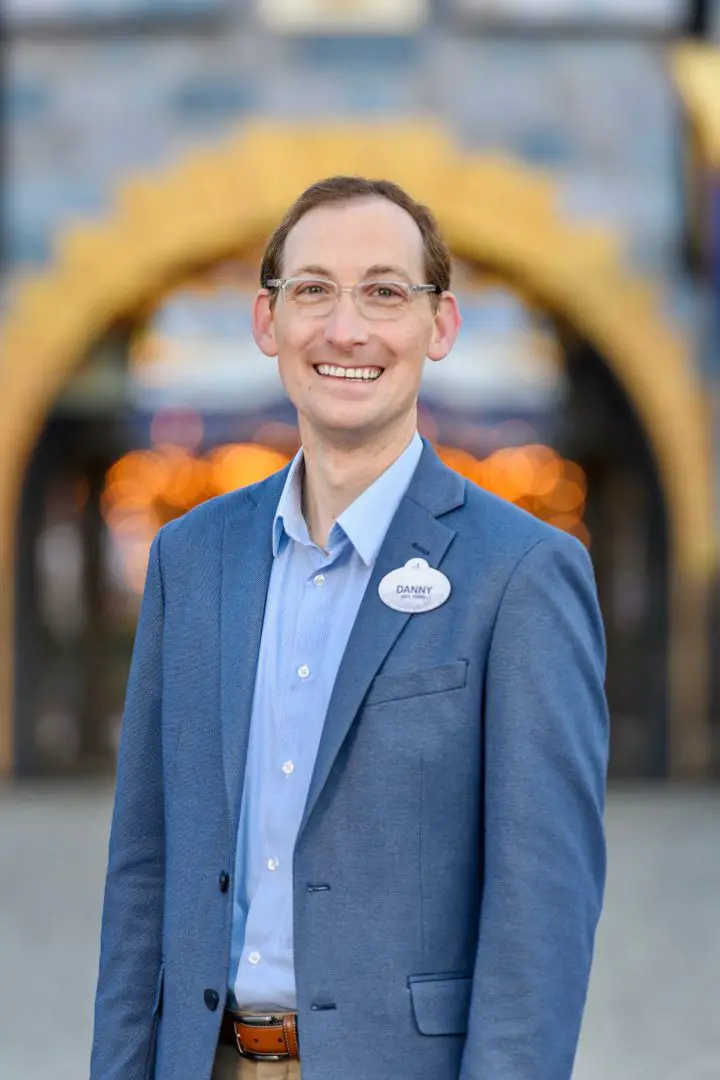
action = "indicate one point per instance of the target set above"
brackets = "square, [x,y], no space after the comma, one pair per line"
[512,531]
[210,516]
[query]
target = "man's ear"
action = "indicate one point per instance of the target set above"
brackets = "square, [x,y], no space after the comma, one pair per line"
[263,323]
[448,321]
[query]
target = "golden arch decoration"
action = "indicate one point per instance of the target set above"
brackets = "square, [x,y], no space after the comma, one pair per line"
[494,212]
[696,70]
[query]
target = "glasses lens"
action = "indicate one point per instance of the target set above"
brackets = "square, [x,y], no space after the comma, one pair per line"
[383,299]
[312,293]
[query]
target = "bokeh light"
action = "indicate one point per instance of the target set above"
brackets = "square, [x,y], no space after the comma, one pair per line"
[145,489]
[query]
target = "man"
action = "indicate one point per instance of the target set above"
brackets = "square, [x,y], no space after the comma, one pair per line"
[358,822]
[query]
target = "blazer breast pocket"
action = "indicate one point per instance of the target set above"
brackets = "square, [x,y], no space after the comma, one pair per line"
[424,681]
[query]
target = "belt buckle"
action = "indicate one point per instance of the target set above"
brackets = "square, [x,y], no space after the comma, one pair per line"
[257,1021]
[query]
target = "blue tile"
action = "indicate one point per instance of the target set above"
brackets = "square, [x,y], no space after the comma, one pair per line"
[26,100]
[365,51]
[213,97]
[373,97]
[25,246]
[37,208]
[98,11]
[50,198]
[181,7]
[546,147]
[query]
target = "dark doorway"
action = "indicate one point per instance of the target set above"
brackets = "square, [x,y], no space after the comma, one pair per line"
[73,638]
[627,520]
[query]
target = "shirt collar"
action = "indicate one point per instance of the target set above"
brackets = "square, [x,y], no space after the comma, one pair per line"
[289,522]
[365,522]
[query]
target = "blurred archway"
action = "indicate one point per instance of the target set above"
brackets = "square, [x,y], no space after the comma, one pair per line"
[501,222]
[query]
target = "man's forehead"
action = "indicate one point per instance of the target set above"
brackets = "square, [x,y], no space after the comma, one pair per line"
[368,233]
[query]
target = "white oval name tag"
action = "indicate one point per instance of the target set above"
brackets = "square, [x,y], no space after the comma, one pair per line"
[414,587]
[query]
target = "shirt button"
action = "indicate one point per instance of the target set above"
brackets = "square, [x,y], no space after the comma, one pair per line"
[303,671]
[288,768]
[211,999]
[319,580]
[254,958]
[272,864]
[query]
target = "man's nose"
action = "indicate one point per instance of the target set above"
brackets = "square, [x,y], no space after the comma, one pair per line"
[345,325]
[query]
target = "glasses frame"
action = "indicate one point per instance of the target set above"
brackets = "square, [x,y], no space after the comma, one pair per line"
[414,290]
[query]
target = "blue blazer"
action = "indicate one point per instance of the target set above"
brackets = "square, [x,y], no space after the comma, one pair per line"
[454,817]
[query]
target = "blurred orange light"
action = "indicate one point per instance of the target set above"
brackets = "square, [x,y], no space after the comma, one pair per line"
[512,472]
[188,481]
[146,488]
[533,477]
[548,470]
[573,472]
[241,464]
[565,497]
[571,524]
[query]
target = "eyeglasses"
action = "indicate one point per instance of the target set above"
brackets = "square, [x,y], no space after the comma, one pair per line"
[373,299]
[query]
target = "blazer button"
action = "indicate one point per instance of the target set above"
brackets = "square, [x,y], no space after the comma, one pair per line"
[223,881]
[212,999]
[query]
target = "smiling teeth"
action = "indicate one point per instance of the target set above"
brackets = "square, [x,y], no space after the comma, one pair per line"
[366,374]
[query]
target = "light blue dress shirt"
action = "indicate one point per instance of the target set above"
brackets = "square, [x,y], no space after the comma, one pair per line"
[312,601]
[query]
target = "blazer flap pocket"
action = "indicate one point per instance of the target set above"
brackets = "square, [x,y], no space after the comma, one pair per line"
[441,1003]
[408,684]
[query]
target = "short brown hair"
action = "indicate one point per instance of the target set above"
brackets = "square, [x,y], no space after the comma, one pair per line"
[338,189]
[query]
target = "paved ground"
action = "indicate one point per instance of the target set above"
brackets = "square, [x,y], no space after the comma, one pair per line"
[654,1010]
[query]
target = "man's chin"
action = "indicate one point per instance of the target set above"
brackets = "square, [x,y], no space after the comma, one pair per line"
[348,430]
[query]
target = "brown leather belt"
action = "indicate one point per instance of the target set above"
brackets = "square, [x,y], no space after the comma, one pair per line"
[270,1037]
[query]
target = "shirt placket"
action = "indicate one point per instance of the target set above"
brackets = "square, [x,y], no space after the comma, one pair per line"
[295,752]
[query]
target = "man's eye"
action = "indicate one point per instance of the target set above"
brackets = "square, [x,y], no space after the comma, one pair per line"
[311,288]
[381,290]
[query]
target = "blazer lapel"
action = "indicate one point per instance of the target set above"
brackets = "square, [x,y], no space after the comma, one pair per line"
[246,565]
[415,532]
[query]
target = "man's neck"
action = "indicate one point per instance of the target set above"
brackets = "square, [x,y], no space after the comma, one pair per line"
[335,476]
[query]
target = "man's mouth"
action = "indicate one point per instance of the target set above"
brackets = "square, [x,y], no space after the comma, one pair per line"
[362,374]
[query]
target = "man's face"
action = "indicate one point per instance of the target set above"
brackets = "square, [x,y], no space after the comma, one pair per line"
[358,241]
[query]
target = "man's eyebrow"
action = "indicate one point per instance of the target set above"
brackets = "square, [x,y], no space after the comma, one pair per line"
[316,271]
[378,270]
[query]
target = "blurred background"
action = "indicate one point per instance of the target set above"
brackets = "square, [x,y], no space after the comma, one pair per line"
[571,151]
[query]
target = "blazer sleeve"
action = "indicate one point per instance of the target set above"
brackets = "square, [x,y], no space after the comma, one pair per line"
[131,938]
[546,747]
